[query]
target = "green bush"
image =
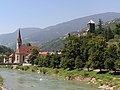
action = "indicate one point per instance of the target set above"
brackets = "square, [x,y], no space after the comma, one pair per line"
[1,81]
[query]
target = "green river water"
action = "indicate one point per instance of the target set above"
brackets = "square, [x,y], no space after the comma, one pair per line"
[19,80]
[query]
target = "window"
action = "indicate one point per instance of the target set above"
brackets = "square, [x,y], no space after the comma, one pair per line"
[17,57]
[23,58]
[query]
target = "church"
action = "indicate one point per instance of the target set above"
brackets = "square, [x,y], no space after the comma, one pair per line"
[22,52]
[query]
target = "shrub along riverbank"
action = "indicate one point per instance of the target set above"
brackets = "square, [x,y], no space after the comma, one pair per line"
[104,80]
[1,82]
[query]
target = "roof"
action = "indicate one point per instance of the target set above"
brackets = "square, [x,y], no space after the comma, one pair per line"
[19,37]
[43,53]
[25,49]
[91,21]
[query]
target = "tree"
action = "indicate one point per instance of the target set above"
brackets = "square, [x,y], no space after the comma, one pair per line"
[35,52]
[28,44]
[108,34]
[88,64]
[109,63]
[47,60]
[96,52]
[55,61]
[100,29]
[117,64]
[33,56]
[63,63]
[78,62]
[1,59]
[110,57]
[71,63]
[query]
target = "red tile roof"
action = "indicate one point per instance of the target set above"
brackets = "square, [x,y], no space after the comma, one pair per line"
[43,53]
[25,49]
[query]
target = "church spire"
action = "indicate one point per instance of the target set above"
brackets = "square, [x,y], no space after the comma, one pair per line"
[19,40]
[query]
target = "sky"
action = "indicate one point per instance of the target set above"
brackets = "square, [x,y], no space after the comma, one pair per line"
[16,14]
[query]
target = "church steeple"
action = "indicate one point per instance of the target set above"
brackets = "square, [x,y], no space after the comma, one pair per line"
[19,40]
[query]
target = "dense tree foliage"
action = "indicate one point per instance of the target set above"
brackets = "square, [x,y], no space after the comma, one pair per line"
[5,50]
[100,50]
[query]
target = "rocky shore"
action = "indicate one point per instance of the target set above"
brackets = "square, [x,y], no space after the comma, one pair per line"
[3,88]
[92,81]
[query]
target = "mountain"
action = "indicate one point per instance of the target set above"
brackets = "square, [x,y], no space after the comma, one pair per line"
[10,38]
[58,43]
[58,30]
[38,36]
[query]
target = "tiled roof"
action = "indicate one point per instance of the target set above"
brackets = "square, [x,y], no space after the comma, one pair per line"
[25,49]
[43,53]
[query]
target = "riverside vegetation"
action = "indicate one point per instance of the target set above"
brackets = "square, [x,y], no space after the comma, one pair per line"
[99,50]
[1,82]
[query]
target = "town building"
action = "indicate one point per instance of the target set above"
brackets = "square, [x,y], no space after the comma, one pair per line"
[22,52]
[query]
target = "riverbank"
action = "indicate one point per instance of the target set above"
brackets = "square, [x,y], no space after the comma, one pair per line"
[25,80]
[1,83]
[105,81]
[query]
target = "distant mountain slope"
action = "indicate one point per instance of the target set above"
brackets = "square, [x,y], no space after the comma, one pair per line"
[25,32]
[58,30]
[58,43]
[38,36]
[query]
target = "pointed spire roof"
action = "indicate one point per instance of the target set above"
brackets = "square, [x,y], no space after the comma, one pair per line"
[19,37]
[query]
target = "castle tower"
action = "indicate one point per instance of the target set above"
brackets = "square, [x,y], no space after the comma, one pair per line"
[19,40]
[91,26]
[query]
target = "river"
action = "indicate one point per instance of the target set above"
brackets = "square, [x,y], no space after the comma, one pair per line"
[19,80]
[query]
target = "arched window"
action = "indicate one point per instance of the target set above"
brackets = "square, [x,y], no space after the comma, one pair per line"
[17,57]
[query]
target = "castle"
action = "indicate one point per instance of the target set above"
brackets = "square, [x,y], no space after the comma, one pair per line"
[90,28]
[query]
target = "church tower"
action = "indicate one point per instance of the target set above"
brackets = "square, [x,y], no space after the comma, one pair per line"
[19,40]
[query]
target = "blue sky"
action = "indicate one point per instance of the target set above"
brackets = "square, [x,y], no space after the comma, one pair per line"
[43,13]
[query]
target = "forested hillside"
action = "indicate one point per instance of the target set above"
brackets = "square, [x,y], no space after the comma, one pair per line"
[57,44]
[5,50]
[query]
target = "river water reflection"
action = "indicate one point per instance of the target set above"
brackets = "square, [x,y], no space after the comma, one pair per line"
[19,80]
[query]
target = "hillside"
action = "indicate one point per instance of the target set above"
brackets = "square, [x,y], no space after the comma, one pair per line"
[10,38]
[55,44]
[38,36]
[58,43]
[5,50]
[58,30]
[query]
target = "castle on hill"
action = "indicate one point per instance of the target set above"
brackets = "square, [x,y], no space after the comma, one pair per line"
[90,28]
